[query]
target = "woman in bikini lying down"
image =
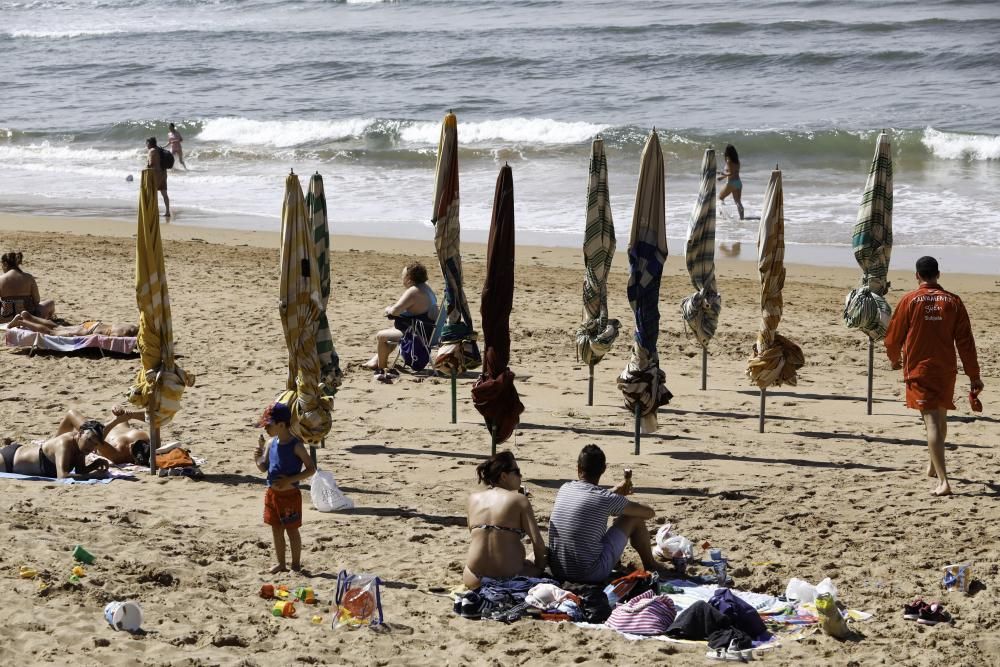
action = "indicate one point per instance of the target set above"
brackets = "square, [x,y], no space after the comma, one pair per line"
[58,457]
[498,518]
[93,327]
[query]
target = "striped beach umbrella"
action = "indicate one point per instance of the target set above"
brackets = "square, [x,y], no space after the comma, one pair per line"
[701,309]
[458,350]
[494,394]
[643,383]
[300,305]
[597,332]
[865,307]
[329,361]
[160,383]
[776,358]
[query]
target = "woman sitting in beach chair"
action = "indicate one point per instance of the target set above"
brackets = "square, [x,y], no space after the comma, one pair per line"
[414,313]
[19,290]
[90,328]
[498,518]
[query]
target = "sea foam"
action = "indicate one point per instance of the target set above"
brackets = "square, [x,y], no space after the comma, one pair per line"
[955,146]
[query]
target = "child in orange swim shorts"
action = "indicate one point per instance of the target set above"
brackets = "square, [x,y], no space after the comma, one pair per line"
[286,462]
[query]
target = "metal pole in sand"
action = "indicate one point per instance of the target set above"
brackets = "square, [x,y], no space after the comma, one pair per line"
[763,394]
[590,386]
[454,398]
[871,363]
[638,425]
[154,429]
[493,438]
[704,368]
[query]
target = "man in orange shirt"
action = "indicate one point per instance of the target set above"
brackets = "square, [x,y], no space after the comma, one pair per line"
[929,323]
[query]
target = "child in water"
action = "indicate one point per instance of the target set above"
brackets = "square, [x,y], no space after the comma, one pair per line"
[287,463]
[733,186]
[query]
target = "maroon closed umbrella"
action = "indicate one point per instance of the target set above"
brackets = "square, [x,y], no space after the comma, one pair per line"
[494,394]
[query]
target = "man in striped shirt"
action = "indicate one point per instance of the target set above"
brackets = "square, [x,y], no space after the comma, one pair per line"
[582,548]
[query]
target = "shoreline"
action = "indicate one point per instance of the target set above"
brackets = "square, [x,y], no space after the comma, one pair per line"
[974,260]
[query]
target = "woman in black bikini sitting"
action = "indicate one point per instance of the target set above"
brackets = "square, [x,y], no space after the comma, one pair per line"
[498,518]
[57,457]
[19,290]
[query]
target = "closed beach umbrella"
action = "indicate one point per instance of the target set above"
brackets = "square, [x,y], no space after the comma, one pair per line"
[642,382]
[329,362]
[597,332]
[865,307]
[701,309]
[161,382]
[300,305]
[458,350]
[776,358]
[494,394]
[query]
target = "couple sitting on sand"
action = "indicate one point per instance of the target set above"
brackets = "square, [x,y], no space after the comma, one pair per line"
[64,455]
[582,547]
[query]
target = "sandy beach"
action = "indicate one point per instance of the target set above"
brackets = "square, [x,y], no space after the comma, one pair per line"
[825,491]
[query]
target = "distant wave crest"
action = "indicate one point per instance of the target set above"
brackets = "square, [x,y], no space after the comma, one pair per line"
[956,146]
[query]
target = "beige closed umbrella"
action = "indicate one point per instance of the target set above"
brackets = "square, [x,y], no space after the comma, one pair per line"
[776,359]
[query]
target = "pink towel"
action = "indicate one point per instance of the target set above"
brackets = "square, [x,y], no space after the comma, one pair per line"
[646,614]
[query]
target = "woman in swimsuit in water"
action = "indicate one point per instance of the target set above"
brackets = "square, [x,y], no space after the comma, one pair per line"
[499,518]
[734,186]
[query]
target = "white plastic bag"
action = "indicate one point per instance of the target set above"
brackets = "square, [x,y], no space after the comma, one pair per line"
[801,590]
[826,586]
[669,544]
[326,497]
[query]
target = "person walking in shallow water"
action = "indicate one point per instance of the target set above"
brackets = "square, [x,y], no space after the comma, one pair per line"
[734,186]
[929,323]
[153,162]
[174,140]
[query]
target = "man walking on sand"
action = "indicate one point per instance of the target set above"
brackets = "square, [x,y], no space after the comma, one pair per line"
[929,323]
[153,162]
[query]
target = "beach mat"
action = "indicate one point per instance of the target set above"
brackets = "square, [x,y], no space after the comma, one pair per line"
[24,338]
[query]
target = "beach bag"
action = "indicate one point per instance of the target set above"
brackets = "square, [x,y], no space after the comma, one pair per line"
[326,495]
[359,600]
[646,614]
[166,158]
[414,350]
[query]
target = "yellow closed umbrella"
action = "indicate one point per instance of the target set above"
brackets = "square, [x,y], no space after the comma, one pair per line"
[300,306]
[160,383]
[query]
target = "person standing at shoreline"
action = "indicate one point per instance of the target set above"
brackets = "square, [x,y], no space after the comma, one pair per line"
[154,162]
[926,327]
[174,140]
[734,186]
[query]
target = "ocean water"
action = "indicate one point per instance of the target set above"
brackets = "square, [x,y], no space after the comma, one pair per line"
[356,91]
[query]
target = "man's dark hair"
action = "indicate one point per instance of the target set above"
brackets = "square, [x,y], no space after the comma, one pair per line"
[927,268]
[151,142]
[140,452]
[94,426]
[592,462]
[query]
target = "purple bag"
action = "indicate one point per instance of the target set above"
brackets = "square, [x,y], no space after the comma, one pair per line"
[742,615]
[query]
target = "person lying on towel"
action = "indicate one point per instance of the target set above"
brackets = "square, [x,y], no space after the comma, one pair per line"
[63,456]
[499,517]
[92,327]
[123,441]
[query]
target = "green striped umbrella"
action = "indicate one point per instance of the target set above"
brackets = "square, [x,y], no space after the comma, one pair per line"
[701,309]
[598,332]
[865,307]
[329,362]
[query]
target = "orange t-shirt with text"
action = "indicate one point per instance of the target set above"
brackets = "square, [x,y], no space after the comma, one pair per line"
[929,323]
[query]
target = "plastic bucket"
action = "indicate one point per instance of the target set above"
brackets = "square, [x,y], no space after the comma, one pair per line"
[124,615]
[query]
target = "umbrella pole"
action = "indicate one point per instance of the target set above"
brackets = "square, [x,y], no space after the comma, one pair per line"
[493,439]
[312,454]
[454,396]
[763,394]
[638,425]
[590,386]
[871,363]
[704,368]
[154,430]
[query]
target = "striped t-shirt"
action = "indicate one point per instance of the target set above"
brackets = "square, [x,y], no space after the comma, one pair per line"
[577,526]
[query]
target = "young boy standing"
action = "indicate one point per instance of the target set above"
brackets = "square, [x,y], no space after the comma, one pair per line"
[286,462]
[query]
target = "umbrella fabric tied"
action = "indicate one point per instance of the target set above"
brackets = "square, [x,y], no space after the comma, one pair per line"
[597,332]
[701,309]
[300,306]
[458,350]
[776,359]
[644,383]
[329,361]
[865,307]
[494,394]
[159,374]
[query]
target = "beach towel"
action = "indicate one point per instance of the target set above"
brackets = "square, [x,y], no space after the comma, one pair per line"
[37,478]
[32,339]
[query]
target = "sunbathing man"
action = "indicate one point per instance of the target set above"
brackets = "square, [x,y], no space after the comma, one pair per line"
[123,442]
[59,456]
[582,548]
[92,327]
